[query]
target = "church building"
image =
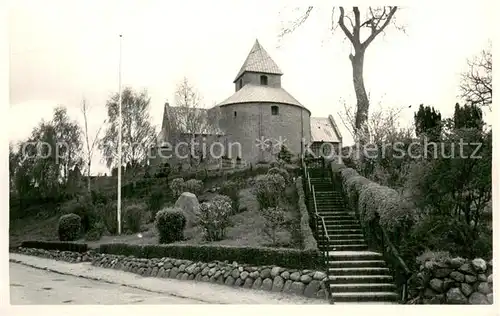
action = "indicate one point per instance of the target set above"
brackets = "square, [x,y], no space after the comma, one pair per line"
[260,116]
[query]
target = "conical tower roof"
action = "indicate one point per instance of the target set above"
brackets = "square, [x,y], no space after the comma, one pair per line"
[258,60]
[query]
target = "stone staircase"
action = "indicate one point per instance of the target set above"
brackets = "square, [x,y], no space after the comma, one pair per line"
[356,274]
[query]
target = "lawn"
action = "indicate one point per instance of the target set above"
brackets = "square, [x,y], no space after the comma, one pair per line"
[246,229]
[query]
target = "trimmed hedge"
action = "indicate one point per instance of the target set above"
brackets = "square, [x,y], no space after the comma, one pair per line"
[308,240]
[373,201]
[55,245]
[291,258]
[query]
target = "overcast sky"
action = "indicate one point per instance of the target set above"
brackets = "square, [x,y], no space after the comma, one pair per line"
[62,51]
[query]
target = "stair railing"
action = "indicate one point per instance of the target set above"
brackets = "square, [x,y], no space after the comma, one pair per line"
[319,226]
[400,270]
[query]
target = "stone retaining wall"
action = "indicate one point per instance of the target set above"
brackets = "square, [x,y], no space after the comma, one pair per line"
[453,281]
[307,283]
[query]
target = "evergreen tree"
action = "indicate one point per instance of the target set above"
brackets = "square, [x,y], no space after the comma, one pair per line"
[427,121]
[468,116]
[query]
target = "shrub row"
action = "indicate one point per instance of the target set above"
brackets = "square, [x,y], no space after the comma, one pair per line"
[307,235]
[291,258]
[55,245]
[371,200]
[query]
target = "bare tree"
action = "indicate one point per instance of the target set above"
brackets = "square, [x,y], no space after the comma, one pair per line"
[90,144]
[476,84]
[383,124]
[375,21]
[189,116]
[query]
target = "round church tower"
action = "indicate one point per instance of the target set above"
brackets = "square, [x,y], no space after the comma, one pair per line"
[261,115]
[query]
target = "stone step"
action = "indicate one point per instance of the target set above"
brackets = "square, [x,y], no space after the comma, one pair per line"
[356,263]
[334,214]
[354,255]
[340,231]
[347,236]
[362,287]
[340,221]
[359,271]
[356,279]
[330,207]
[337,247]
[365,296]
[342,226]
[347,241]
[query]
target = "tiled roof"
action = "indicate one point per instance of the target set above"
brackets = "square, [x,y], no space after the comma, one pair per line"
[323,130]
[210,115]
[258,60]
[257,93]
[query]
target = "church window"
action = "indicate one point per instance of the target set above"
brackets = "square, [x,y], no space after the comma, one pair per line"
[274,110]
[263,80]
[235,114]
[240,83]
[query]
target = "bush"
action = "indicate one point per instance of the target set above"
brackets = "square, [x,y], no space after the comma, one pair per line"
[194,186]
[292,258]
[281,172]
[285,155]
[84,208]
[232,188]
[308,240]
[247,201]
[261,167]
[177,186]
[214,217]
[69,227]
[170,224]
[133,217]
[274,220]
[98,197]
[269,190]
[96,232]
[156,200]
[55,245]
[107,212]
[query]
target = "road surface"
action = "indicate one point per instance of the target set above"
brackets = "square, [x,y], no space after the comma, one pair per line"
[34,286]
[35,280]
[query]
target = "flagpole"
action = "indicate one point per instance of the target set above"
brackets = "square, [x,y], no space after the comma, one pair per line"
[119,203]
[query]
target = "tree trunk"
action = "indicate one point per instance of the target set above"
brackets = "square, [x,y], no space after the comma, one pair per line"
[88,176]
[363,104]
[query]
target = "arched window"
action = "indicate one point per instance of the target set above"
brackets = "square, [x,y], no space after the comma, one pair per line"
[275,110]
[263,80]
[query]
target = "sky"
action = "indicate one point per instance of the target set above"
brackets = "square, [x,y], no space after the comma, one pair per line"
[64,51]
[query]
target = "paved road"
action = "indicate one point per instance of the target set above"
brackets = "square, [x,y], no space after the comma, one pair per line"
[35,280]
[34,286]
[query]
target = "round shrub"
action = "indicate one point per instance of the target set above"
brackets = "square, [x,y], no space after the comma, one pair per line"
[96,232]
[269,190]
[274,220]
[231,188]
[69,227]
[193,186]
[133,217]
[177,186]
[281,172]
[214,217]
[84,208]
[170,223]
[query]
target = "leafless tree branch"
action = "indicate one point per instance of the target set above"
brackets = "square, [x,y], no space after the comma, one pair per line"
[297,22]
[476,83]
